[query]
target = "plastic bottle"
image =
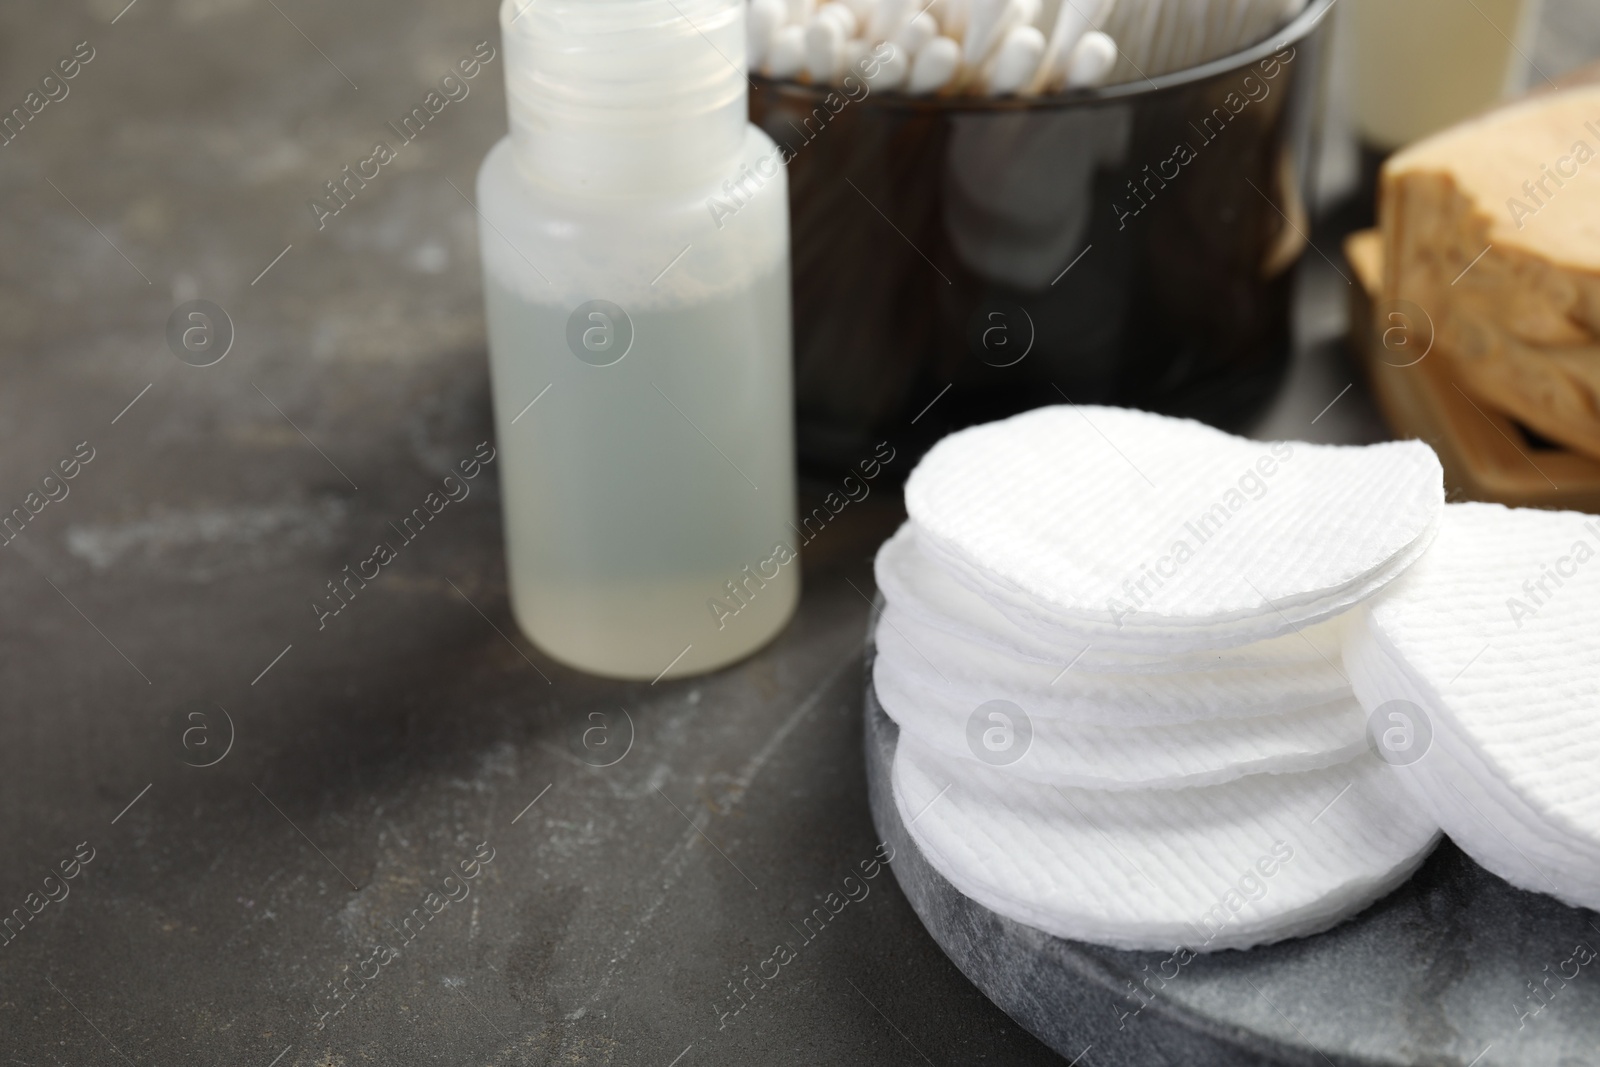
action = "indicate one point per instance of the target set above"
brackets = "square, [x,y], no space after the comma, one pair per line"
[634,231]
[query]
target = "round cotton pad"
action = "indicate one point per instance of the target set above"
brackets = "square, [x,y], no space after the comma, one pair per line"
[1230,866]
[1495,639]
[960,670]
[1133,631]
[1151,535]
[1450,779]
[1040,748]
[919,586]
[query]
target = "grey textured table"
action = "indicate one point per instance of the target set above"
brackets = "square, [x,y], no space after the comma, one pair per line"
[158,617]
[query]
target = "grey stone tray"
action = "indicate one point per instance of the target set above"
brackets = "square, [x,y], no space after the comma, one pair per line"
[1438,973]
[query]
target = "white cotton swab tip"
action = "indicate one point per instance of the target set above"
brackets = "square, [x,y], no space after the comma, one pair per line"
[1074,19]
[934,66]
[1014,61]
[1091,61]
[761,29]
[893,65]
[990,21]
[887,17]
[824,47]
[787,56]
[917,33]
[855,60]
[840,16]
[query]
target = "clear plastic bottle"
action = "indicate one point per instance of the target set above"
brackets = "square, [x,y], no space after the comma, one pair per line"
[634,230]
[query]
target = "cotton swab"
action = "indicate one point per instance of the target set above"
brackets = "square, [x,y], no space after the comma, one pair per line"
[954,17]
[916,33]
[892,69]
[992,21]
[825,46]
[1091,61]
[886,19]
[841,15]
[765,18]
[1014,61]
[1073,20]
[1002,47]
[934,66]
[983,32]
[855,55]
[787,56]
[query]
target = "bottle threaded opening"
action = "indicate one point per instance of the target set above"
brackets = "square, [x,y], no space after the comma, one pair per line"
[625,96]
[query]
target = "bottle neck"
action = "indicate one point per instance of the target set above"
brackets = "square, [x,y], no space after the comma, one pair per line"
[625,97]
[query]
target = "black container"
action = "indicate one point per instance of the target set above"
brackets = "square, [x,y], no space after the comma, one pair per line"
[1130,245]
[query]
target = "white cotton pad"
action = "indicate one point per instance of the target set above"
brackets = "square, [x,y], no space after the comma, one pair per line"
[999,732]
[1495,637]
[962,671]
[1152,535]
[1257,860]
[1462,793]
[912,581]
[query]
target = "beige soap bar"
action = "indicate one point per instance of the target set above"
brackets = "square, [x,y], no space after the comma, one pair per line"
[1493,228]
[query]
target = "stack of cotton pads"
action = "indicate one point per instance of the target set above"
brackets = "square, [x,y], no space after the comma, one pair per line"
[1482,669]
[1112,643]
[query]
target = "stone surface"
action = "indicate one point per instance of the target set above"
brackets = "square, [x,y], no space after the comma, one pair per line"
[371,757]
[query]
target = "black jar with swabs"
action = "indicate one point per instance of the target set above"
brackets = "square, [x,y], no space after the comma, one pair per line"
[960,259]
